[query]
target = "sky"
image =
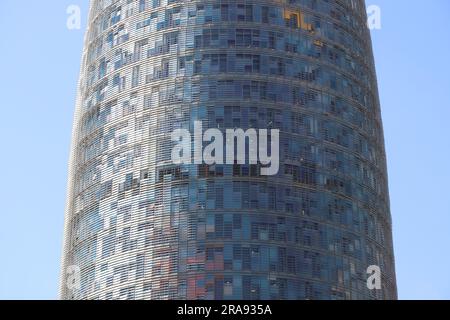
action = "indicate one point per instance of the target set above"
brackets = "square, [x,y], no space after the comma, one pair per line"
[40,61]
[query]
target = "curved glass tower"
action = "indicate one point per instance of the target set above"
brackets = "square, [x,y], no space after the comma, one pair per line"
[139,226]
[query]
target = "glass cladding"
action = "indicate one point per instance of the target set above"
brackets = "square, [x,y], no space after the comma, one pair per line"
[139,227]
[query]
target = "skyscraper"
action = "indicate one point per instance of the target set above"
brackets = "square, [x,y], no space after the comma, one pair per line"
[139,226]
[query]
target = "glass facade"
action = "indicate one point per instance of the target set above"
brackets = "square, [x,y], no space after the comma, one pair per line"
[139,227]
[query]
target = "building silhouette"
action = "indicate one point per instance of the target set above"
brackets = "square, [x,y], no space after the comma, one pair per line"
[139,226]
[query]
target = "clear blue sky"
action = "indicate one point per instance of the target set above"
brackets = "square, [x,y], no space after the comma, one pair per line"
[40,61]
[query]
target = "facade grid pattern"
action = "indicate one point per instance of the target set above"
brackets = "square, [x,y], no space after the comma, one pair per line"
[140,227]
